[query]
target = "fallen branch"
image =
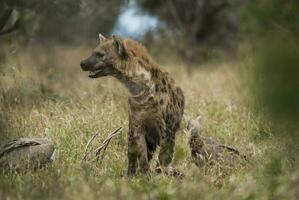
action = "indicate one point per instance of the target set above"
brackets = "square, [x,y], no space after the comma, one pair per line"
[14,27]
[4,18]
[87,145]
[105,143]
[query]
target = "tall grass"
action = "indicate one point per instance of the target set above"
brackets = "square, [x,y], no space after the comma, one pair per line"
[61,103]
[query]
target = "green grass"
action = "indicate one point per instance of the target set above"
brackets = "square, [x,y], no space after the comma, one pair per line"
[61,103]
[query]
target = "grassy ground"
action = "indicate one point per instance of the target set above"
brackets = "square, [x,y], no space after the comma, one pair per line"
[48,96]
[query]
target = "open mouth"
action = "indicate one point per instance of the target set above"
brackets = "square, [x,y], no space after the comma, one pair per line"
[95,73]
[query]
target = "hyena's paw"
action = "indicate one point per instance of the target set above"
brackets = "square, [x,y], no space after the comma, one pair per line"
[172,171]
[169,171]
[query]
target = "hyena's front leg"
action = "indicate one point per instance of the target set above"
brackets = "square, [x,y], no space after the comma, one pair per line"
[132,153]
[137,149]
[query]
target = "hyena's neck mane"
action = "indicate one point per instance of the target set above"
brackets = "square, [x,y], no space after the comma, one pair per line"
[138,89]
[139,54]
[137,73]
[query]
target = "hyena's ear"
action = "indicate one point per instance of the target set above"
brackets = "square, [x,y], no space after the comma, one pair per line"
[199,118]
[101,37]
[120,47]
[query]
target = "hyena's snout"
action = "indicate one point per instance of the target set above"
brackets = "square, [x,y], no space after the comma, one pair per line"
[96,67]
[86,65]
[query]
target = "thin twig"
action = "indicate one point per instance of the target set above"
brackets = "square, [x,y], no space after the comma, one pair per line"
[110,135]
[105,147]
[87,145]
[104,150]
[105,143]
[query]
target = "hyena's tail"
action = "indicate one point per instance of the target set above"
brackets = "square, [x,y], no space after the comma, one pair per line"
[234,150]
[231,149]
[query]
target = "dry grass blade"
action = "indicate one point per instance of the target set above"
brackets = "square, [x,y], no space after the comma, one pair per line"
[87,145]
[105,143]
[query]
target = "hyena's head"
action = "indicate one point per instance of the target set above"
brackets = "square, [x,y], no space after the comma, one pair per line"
[194,126]
[105,58]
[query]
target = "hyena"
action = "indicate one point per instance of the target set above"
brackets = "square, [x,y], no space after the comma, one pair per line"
[156,104]
[204,149]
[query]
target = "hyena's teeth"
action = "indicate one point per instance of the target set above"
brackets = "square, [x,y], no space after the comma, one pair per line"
[92,73]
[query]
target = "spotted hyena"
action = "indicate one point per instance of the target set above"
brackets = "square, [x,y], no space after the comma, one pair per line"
[204,150]
[156,104]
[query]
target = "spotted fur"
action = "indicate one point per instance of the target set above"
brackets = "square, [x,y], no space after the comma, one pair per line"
[156,103]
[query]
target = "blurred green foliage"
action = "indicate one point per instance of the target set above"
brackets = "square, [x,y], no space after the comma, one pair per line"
[277,76]
[271,29]
[272,16]
[272,26]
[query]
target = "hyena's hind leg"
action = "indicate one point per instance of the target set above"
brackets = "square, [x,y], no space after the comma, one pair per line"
[152,138]
[142,153]
[151,148]
[166,155]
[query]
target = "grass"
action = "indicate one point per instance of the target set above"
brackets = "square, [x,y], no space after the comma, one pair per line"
[51,97]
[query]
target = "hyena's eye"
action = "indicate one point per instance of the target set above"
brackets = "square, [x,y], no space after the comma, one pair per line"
[98,54]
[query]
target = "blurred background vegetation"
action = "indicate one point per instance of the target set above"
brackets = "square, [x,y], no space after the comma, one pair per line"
[273,27]
[194,29]
[260,35]
[61,20]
